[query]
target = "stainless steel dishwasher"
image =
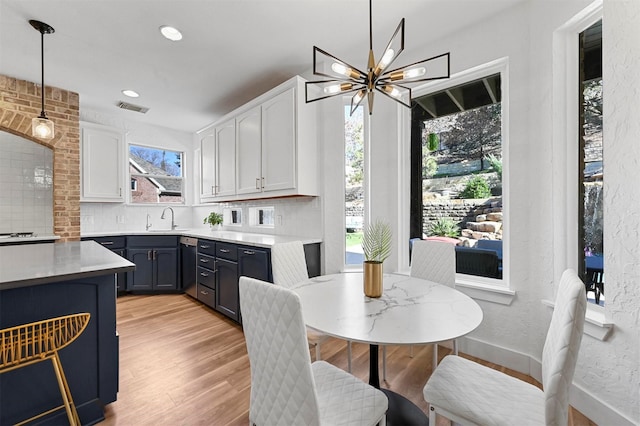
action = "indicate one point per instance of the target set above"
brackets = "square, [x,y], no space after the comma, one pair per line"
[188,264]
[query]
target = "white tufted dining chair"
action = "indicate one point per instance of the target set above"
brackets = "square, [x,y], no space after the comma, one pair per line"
[289,267]
[469,393]
[286,388]
[434,261]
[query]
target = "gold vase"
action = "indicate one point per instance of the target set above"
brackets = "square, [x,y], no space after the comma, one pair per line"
[372,279]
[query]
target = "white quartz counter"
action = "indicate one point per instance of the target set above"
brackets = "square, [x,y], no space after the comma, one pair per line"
[246,238]
[31,264]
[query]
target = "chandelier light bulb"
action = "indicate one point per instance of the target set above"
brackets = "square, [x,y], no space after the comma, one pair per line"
[391,91]
[358,97]
[344,70]
[337,88]
[415,72]
[386,58]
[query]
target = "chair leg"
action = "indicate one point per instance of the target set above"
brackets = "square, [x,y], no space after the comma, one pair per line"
[455,347]
[432,416]
[349,355]
[411,351]
[72,414]
[318,357]
[384,363]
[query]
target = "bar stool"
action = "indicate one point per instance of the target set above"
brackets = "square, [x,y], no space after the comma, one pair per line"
[31,343]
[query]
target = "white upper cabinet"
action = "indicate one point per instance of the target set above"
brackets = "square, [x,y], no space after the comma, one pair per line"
[217,161]
[102,174]
[248,152]
[275,146]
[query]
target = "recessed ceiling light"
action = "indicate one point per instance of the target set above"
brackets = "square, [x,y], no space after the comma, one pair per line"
[171,33]
[130,93]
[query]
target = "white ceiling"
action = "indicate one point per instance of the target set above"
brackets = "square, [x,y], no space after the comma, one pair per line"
[232,50]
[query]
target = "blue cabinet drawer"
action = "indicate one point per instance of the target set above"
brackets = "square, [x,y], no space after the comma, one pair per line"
[207,247]
[152,241]
[206,261]
[206,277]
[227,251]
[207,295]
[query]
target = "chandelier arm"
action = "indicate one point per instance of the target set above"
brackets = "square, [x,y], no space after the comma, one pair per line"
[408,104]
[312,83]
[380,66]
[362,74]
[386,76]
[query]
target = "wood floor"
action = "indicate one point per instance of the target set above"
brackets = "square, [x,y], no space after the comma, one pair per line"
[183,364]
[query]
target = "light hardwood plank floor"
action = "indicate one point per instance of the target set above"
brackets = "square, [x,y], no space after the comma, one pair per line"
[183,364]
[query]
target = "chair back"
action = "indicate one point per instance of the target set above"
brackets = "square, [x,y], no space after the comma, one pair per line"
[282,385]
[434,261]
[561,347]
[288,264]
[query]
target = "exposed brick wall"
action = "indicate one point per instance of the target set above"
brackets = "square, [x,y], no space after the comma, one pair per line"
[20,101]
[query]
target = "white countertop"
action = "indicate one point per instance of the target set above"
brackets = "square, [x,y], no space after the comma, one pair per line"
[410,310]
[247,238]
[32,264]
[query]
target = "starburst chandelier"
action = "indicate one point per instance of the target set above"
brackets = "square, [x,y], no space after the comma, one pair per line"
[345,78]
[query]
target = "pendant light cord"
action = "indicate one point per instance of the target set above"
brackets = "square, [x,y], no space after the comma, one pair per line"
[370,27]
[42,113]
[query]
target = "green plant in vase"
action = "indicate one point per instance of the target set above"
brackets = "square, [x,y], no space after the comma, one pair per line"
[214,220]
[376,245]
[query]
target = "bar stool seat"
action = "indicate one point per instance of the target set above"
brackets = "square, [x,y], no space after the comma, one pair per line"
[38,341]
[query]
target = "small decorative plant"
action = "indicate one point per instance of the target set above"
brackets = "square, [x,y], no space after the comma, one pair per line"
[444,227]
[213,219]
[376,241]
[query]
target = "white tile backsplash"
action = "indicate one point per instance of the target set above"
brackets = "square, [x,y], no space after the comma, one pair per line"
[26,175]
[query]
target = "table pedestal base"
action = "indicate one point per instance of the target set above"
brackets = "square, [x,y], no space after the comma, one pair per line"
[401,411]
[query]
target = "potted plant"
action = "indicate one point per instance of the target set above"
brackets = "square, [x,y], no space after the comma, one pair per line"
[376,245]
[214,220]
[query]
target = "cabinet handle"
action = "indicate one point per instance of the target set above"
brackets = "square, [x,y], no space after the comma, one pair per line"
[249,252]
[203,246]
[257,183]
[213,190]
[204,274]
[204,260]
[148,254]
[263,183]
[155,254]
[204,292]
[224,251]
[107,243]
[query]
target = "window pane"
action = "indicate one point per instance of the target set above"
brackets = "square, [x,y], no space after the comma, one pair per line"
[156,175]
[460,173]
[591,249]
[354,194]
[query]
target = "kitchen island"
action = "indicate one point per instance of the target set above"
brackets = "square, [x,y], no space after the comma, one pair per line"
[41,281]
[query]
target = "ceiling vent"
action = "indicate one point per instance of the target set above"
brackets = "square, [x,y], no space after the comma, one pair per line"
[132,107]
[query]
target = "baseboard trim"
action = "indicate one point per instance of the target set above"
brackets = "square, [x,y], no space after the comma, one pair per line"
[582,400]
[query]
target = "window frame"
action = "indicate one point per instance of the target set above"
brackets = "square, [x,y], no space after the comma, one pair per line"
[496,290]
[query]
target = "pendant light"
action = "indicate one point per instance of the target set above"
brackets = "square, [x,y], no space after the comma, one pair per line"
[345,78]
[41,126]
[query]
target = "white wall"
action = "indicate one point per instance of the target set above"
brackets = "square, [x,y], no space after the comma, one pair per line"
[607,378]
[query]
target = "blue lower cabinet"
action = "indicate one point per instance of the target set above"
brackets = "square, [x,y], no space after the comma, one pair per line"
[156,260]
[227,294]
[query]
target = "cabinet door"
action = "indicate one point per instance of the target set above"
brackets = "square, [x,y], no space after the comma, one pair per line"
[279,142]
[226,158]
[248,160]
[102,164]
[227,297]
[207,165]
[254,263]
[142,277]
[166,268]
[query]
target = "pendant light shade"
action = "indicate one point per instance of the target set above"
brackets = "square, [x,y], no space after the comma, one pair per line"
[41,126]
[343,79]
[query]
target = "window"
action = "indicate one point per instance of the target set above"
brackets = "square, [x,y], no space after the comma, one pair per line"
[156,175]
[590,167]
[456,157]
[354,193]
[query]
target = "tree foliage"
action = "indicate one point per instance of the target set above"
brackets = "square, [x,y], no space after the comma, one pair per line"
[354,148]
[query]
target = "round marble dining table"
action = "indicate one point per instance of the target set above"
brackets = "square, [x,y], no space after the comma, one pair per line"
[410,311]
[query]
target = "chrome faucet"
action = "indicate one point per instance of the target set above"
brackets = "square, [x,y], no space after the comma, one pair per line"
[173,225]
[148,223]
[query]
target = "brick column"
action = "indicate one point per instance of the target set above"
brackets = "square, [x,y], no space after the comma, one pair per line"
[20,101]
